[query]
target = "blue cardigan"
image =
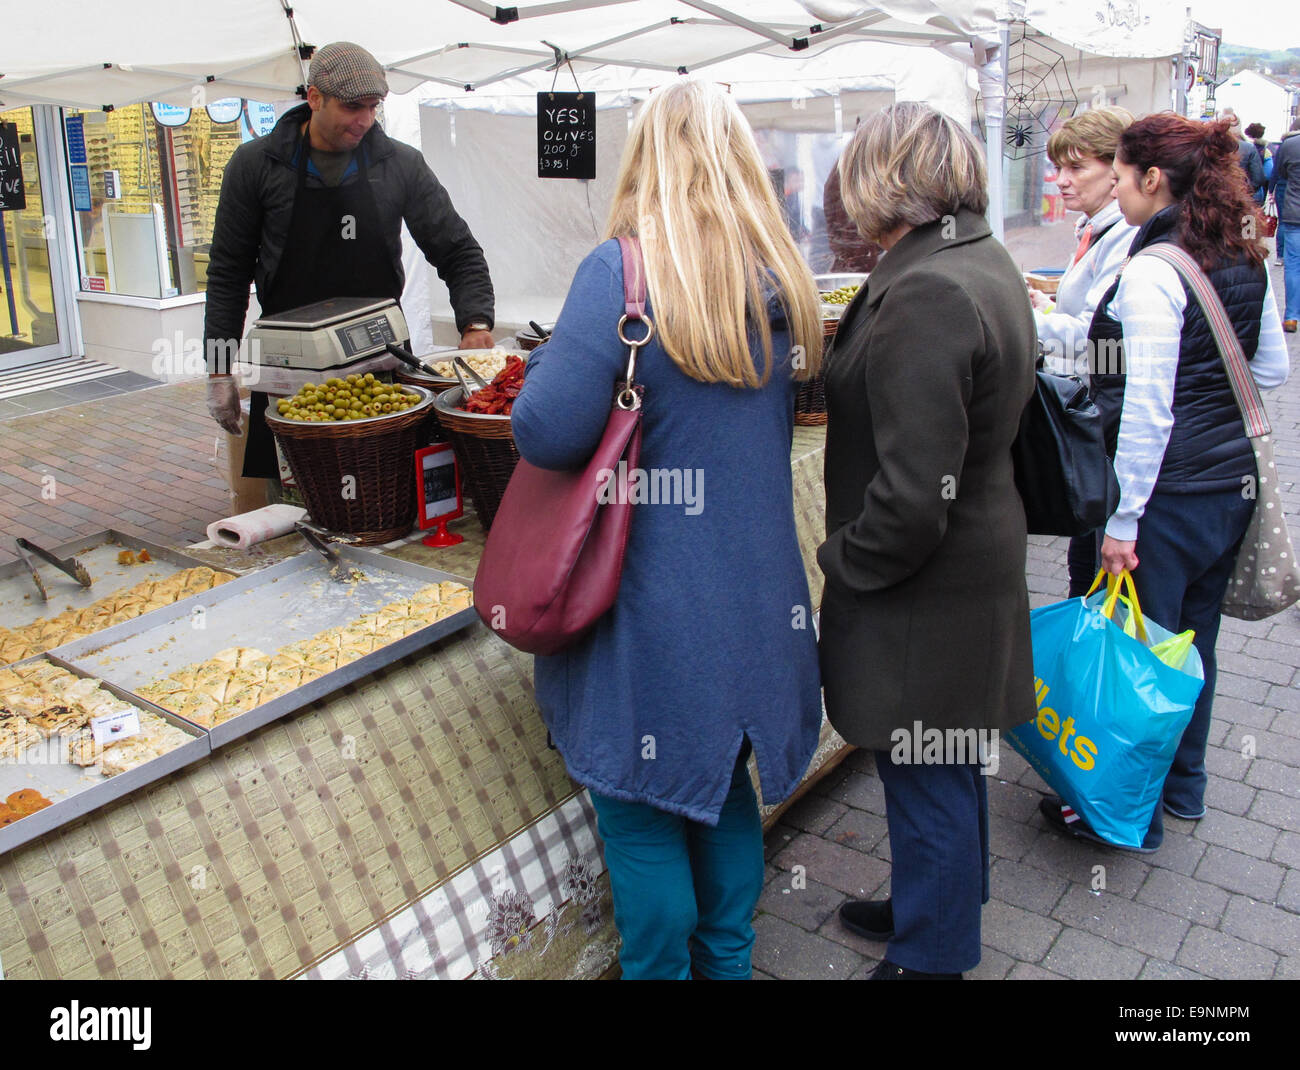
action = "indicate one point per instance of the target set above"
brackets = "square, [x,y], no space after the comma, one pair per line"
[712,636]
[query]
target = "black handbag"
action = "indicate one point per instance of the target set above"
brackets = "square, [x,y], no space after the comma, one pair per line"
[1062,472]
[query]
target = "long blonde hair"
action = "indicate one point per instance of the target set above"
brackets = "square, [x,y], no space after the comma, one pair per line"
[693,187]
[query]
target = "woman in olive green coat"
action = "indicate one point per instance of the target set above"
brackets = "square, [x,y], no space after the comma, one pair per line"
[925,646]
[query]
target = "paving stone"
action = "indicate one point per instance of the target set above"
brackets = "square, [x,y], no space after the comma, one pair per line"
[850,871]
[1273,776]
[1009,839]
[1229,710]
[1219,955]
[833,930]
[858,829]
[1184,897]
[1011,767]
[1159,970]
[1261,923]
[1218,729]
[865,971]
[1010,800]
[1283,698]
[1025,887]
[1277,810]
[1027,971]
[1151,931]
[785,951]
[861,791]
[861,760]
[1237,872]
[1256,668]
[1287,849]
[1018,933]
[1068,858]
[1084,956]
[1283,652]
[814,813]
[1289,896]
[1226,762]
[1244,687]
[807,907]
[1288,968]
[993,966]
[1225,795]
[777,839]
[1238,833]
[1123,873]
[759,975]
[1276,746]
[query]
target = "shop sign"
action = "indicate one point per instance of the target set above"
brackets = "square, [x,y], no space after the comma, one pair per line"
[75,126]
[259,120]
[225,111]
[80,187]
[566,135]
[13,197]
[169,114]
[112,185]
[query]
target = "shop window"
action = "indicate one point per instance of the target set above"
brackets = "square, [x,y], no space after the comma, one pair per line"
[145,189]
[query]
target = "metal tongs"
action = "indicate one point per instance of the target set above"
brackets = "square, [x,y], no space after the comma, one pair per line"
[412,360]
[479,382]
[319,539]
[71,566]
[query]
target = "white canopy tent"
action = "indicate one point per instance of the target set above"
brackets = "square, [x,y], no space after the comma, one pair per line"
[187,52]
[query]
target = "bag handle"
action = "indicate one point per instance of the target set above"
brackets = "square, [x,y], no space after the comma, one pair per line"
[634,295]
[1114,584]
[1244,387]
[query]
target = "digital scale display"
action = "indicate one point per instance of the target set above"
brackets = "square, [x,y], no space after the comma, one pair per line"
[360,338]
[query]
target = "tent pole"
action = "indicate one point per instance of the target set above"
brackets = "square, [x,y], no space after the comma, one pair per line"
[991,64]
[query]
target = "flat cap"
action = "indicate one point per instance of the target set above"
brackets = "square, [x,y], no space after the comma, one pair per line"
[347,71]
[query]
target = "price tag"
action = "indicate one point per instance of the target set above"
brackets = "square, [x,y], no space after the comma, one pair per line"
[115,726]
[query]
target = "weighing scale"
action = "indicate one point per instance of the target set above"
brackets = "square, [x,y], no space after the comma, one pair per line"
[328,334]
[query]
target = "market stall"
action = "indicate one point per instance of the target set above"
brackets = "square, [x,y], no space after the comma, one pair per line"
[410,821]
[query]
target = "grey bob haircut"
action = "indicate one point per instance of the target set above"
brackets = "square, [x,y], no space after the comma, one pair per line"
[911,164]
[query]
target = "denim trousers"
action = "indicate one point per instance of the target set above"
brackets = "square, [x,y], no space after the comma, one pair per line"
[1187,546]
[1291,268]
[938,817]
[684,891]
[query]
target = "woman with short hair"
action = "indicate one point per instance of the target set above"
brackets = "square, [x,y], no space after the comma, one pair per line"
[1173,426]
[709,648]
[925,613]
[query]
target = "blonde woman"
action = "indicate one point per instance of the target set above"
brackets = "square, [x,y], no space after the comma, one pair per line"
[709,650]
[925,615]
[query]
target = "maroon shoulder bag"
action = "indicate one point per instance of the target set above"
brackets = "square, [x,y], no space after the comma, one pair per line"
[554,556]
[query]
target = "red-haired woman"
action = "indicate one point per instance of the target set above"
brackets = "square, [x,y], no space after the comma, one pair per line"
[1174,428]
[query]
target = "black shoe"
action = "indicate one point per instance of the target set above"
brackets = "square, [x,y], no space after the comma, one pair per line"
[887,971]
[1062,818]
[1181,814]
[870,920]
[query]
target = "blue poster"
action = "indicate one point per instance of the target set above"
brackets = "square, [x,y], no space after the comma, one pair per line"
[259,119]
[75,126]
[226,110]
[80,187]
[169,114]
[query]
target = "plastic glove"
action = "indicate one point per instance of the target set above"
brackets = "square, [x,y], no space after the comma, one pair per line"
[223,403]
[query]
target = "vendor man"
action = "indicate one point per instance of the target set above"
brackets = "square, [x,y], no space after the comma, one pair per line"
[313,211]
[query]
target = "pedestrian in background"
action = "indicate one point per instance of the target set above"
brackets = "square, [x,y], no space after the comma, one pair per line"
[1286,171]
[925,613]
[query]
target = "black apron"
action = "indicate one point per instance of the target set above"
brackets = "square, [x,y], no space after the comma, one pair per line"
[320,263]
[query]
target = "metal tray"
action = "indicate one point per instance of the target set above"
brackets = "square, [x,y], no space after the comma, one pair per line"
[20,604]
[88,791]
[267,610]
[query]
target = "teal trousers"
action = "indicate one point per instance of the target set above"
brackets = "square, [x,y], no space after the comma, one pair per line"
[685,892]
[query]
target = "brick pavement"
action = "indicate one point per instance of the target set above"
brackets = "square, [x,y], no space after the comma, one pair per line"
[1221,898]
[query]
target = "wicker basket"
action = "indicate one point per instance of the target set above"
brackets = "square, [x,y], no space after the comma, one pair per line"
[485,448]
[433,429]
[378,453]
[810,401]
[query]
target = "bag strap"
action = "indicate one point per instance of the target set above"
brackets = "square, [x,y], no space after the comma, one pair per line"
[1244,387]
[633,278]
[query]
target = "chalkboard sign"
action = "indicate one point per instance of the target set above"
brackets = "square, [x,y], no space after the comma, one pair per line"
[13,198]
[566,135]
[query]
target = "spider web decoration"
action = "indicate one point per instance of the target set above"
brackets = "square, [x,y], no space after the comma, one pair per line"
[1039,94]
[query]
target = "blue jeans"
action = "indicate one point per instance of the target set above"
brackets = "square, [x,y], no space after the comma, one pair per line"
[1187,545]
[1279,198]
[938,818]
[685,892]
[1291,268]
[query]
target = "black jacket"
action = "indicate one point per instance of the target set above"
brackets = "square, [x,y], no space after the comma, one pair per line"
[256,205]
[1207,449]
[1251,162]
[1286,168]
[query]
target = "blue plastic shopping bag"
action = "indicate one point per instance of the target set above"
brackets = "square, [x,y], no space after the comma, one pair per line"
[1110,712]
